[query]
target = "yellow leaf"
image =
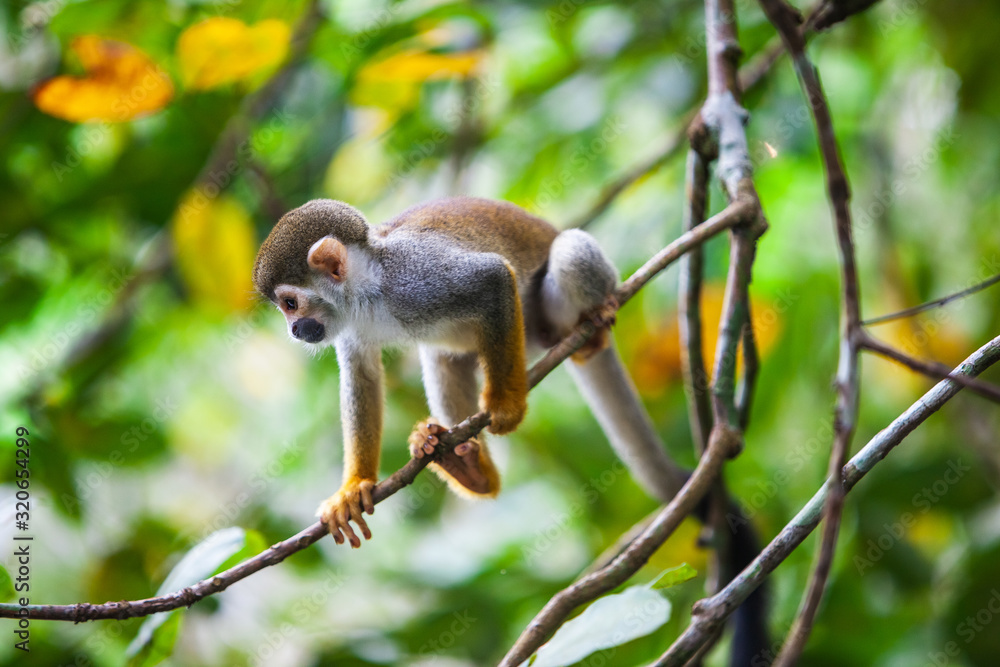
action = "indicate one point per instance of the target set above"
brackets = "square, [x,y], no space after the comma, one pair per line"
[214,245]
[394,82]
[932,532]
[121,83]
[223,50]
[682,547]
[420,66]
[359,171]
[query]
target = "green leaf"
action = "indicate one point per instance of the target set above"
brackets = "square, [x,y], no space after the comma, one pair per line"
[611,621]
[6,585]
[160,643]
[157,634]
[254,542]
[675,575]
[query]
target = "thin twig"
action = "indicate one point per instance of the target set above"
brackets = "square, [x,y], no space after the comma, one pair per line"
[751,366]
[722,444]
[723,118]
[936,303]
[750,76]
[786,21]
[689,307]
[710,613]
[738,213]
[636,173]
[735,319]
[932,369]
[720,131]
[185,597]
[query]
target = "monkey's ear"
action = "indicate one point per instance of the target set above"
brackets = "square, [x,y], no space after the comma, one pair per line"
[329,256]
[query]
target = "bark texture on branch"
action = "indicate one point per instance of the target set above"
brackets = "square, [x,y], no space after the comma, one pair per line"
[711,613]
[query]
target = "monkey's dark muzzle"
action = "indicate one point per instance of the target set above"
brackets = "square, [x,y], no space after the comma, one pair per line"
[308,329]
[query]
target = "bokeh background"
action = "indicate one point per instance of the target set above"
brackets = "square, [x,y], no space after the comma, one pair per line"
[165,401]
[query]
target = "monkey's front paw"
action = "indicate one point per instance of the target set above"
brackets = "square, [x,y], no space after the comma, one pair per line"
[505,415]
[605,314]
[424,438]
[602,318]
[348,504]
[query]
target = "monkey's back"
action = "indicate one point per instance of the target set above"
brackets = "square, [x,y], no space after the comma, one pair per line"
[481,225]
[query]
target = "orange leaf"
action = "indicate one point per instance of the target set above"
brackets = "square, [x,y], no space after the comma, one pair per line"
[223,50]
[121,83]
[657,361]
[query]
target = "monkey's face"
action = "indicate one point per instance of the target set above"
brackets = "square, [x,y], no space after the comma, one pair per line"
[305,314]
[311,311]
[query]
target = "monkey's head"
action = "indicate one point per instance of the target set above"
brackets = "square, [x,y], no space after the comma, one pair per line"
[304,266]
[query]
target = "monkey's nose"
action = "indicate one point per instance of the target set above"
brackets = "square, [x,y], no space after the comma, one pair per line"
[308,329]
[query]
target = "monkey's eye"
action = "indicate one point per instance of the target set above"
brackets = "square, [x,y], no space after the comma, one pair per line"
[290,304]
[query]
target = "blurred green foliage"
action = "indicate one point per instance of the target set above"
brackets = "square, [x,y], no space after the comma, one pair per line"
[198,414]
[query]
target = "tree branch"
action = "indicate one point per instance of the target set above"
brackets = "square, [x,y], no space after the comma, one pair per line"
[689,307]
[723,444]
[750,76]
[786,21]
[710,613]
[751,366]
[932,369]
[909,312]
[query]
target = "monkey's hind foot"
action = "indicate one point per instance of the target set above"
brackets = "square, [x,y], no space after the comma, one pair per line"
[349,504]
[602,317]
[464,464]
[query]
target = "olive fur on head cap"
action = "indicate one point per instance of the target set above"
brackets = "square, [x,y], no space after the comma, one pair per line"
[282,258]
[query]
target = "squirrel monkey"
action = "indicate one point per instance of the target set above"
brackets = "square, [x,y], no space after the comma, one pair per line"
[473,282]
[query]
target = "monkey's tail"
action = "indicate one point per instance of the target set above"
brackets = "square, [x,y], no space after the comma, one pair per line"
[614,401]
[609,391]
[751,643]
